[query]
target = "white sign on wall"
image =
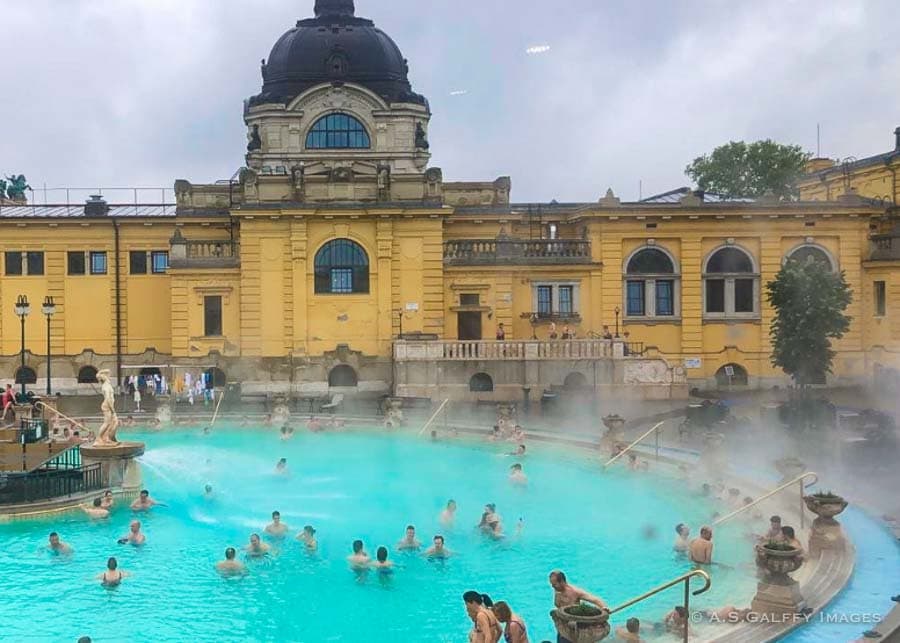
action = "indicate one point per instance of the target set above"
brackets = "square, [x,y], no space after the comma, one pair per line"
[693,362]
[412,306]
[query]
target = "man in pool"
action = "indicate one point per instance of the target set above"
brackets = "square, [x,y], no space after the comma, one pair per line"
[520,451]
[281,467]
[566,595]
[57,546]
[381,562]
[359,559]
[230,566]
[517,476]
[308,538]
[144,502]
[774,533]
[701,548]
[409,541]
[96,511]
[256,548]
[448,515]
[276,528]
[682,538]
[631,632]
[208,492]
[437,550]
[676,621]
[789,538]
[134,536]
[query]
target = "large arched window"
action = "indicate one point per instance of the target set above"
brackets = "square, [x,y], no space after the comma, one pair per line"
[481,383]
[731,375]
[731,284]
[817,254]
[651,284]
[87,375]
[337,132]
[26,375]
[342,376]
[342,267]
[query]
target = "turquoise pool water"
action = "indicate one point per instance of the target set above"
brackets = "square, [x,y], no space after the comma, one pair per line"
[360,484]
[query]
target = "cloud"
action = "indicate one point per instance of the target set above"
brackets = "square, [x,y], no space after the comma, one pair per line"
[139,93]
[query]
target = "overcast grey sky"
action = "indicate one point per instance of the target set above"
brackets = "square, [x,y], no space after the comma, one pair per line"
[141,92]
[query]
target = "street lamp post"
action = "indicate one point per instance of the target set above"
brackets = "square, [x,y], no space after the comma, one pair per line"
[617,321]
[22,310]
[48,309]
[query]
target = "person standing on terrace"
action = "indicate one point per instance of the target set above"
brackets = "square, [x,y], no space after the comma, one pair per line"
[501,333]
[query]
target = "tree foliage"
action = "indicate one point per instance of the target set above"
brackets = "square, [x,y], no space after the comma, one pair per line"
[809,301]
[740,169]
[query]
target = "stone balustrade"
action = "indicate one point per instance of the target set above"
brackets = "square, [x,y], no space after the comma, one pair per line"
[194,253]
[513,350]
[474,252]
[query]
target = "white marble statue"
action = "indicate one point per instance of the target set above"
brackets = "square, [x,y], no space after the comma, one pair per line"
[107,434]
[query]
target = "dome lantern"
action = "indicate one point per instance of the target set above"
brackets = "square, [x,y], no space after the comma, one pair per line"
[334,8]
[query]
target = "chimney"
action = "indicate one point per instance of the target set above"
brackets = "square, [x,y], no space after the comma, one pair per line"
[897,139]
[96,206]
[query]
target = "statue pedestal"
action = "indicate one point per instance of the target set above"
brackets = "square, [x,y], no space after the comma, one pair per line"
[118,465]
[23,412]
[778,599]
[826,533]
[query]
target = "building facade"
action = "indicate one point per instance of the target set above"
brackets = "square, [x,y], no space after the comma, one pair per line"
[339,257]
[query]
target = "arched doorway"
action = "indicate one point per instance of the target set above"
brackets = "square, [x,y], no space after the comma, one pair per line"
[575,381]
[481,383]
[87,375]
[342,376]
[217,376]
[26,375]
[731,375]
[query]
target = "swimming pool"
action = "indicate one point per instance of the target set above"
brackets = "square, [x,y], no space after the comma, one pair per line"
[359,484]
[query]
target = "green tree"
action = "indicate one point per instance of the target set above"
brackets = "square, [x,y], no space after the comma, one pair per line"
[809,301]
[739,169]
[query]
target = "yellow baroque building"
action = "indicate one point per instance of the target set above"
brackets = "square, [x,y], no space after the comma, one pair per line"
[339,258]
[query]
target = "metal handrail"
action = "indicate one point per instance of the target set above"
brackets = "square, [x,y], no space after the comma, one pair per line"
[799,479]
[684,578]
[630,446]
[66,417]
[431,419]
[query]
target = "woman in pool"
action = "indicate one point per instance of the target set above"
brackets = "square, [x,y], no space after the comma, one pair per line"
[107,501]
[485,626]
[515,631]
[448,515]
[308,538]
[381,562]
[113,575]
[490,524]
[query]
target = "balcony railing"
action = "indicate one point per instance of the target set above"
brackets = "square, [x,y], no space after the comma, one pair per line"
[475,252]
[884,247]
[459,350]
[49,483]
[204,253]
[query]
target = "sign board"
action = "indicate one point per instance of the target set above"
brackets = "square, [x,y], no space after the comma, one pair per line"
[729,371]
[412,306]
[693,362]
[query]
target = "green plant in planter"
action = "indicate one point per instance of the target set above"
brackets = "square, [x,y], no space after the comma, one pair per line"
[777,546]
[825,495]
[583,610]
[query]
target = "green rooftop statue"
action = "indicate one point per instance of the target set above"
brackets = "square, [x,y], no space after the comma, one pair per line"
[15,187]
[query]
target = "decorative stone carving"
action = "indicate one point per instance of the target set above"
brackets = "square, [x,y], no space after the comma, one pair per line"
[421,137]
[298,182]
[778,595]
[647,372]
[183,193]
[249,180]
[615,433]
[342,175]
[610,200]
[581,623]
[383,180]
[254,140]
[826,532]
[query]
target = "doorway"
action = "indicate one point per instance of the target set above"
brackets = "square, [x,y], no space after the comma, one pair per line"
[468,326]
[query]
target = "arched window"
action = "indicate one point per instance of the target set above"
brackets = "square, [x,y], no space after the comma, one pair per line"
[813,253]
[731,284]
[481,383]
[651,284]
[342,267]
[337,132]
[87,375]
[732,375]
[575,381]
[342,376]
[26,375]
[217,375]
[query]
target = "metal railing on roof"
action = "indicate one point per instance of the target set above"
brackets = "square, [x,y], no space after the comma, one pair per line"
[71,200]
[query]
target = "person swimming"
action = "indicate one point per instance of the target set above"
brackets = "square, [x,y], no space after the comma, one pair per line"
[281,466]
[230,566]
[256,548]
[208,492]
[276,528]
[134,536]
[437,550]
[96,510]
[144,502]
[448,515]
[57,546]
[491,524]
[308,538]
[113,576]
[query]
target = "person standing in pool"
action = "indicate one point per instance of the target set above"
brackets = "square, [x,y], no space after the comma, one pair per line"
[276,528]
[113,576]
[57,546]
[682,538]
[448,515]
[256,548]
[108,500]
[381,562]
[96,510]
[515,631]
[134,536]
[230,566]
[517,475]
[485,626]
[702,548]
[359,559]
[437,550]
[281,467]
[144,502]
[409,541]
[308,538]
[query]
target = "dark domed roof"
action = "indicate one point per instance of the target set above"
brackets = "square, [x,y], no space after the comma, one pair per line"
[335,46]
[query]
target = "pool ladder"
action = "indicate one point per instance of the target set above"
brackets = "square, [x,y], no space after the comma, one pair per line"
[684,578]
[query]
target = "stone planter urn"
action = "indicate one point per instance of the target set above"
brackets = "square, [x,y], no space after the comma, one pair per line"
[615,433]
[826,532]
[581,623]
[393,416]
[778,594]
[789,468]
